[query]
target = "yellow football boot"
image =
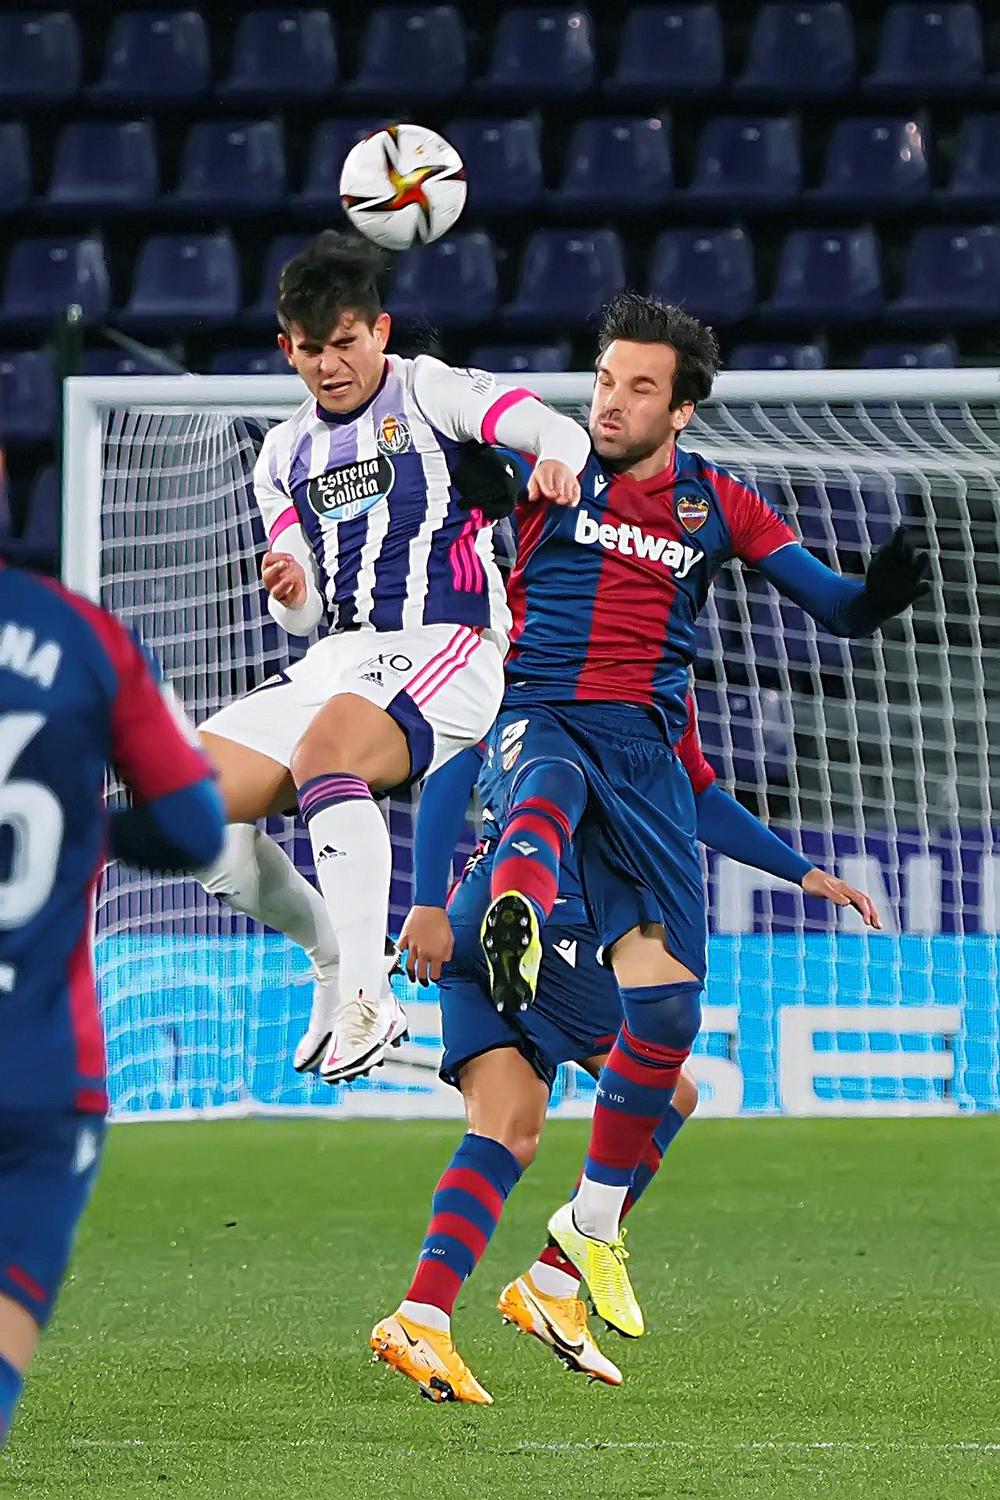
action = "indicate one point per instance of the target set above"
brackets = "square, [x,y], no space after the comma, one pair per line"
[429,1357]
[601,1263]
[561,1324]
[513,950]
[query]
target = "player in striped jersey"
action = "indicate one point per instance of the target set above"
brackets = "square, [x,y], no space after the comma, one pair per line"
[372,543]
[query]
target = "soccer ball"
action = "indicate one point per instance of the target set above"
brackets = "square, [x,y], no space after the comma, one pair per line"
[403,186]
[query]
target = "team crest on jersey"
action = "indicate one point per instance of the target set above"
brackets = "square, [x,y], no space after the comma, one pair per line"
[692,512]
[350,490]
[393,436]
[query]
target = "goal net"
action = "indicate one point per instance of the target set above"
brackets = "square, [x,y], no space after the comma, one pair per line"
[874,758]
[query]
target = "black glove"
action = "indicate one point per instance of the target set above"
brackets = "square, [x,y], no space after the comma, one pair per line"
[897,576]
[486,480]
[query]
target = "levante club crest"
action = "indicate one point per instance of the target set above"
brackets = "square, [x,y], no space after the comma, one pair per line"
[692,512]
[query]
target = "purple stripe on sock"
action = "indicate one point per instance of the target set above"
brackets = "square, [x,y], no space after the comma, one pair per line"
[326,791]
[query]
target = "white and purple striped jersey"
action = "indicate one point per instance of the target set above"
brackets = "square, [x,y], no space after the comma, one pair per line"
[389,547]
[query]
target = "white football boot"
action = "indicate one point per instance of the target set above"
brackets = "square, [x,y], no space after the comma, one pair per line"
[363,1033]
[316,1038]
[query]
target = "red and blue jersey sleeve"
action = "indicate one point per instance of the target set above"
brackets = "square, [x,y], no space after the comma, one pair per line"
[689,752]
[755,530]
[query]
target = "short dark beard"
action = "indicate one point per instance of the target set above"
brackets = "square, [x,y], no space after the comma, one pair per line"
[625,460]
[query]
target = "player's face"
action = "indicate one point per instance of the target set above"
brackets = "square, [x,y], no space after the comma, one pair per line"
[630,416]
[344,370]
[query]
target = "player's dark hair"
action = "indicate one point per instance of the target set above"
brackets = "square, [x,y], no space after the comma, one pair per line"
[335,273]
[646,320]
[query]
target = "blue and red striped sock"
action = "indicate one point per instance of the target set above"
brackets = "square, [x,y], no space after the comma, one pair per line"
[465,1210]
[11,1385]
[550,799]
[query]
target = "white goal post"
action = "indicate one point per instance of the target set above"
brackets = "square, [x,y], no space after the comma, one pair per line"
[876,758]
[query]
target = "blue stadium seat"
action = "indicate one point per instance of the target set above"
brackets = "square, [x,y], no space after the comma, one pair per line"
[15,167]
[39,58]
[521,359]
[411,52]
[330,144]
[232,167]
[544,53]
[747,163]
[38,544]
[184,281]
[155,56]
[719,638]
[975,180]
[452,283]
[566,277]
[117,362]
[777,357]
[941,355]
[782,635]
[929,49]
[260,314]
[875,162]
[800,51]
[283,55]
[47,275]
[503,163]
[617,164]
[747,733]
[835,519]
[28,402]
[951,275]
[250,362]
[669,51]
[710,272]
[830,274]
[107,167]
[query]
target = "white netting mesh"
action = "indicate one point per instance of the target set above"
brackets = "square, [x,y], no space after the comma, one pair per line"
[876,756]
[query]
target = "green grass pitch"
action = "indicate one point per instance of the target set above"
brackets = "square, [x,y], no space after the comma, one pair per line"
[823,1302]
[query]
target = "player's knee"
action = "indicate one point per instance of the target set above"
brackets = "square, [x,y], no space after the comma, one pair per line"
[557,783]
[234,876]
[685,1099]
[668,1015]
[522,1143]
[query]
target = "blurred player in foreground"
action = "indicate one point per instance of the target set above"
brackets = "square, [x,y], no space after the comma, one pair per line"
[505,1065]
[76,694]
[374,541]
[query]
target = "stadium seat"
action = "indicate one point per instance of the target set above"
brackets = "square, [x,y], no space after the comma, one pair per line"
[260,314]
[521,359]
[719,638]
[250,362]
[783,636]
[874,162]
[106,167]
[950,276]
[975,180]
[117,362]
[330,144]
[545,53]
[155,56]
[747,733]
[929,49]
[617,164]
[232,167]
[283,55]
[710,272]
[15,167]
[669,51]
[777,357]
[747,163]
[39,58]
[830,274]
[566,277]
[184,281]
[503,163]
[799,51]
[411,52]
[452,283]
[27,397]
[941,355]
[47,275]
[834,518]
[38,544]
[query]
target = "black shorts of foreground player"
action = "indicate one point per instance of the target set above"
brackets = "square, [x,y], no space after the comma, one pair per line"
[605,602]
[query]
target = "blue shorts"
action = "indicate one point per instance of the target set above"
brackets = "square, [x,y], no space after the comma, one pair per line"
[636,845]
[48,1165]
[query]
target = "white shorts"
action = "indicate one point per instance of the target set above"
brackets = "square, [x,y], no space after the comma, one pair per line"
[441,683]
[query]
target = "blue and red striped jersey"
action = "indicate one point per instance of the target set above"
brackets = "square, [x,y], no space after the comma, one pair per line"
[77,693]
[605,598]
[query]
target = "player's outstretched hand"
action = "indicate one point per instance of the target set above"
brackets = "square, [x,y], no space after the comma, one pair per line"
[553,480]
[428,941]
[819,883]
[284,579]
[898,575]
[486,480]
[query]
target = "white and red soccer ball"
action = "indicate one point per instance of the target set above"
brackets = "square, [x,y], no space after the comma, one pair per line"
[403,186]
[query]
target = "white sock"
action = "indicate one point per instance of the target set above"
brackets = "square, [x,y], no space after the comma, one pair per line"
[552,1282]
[597,1209]
[254,876]
[426,1314]
[354,867]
